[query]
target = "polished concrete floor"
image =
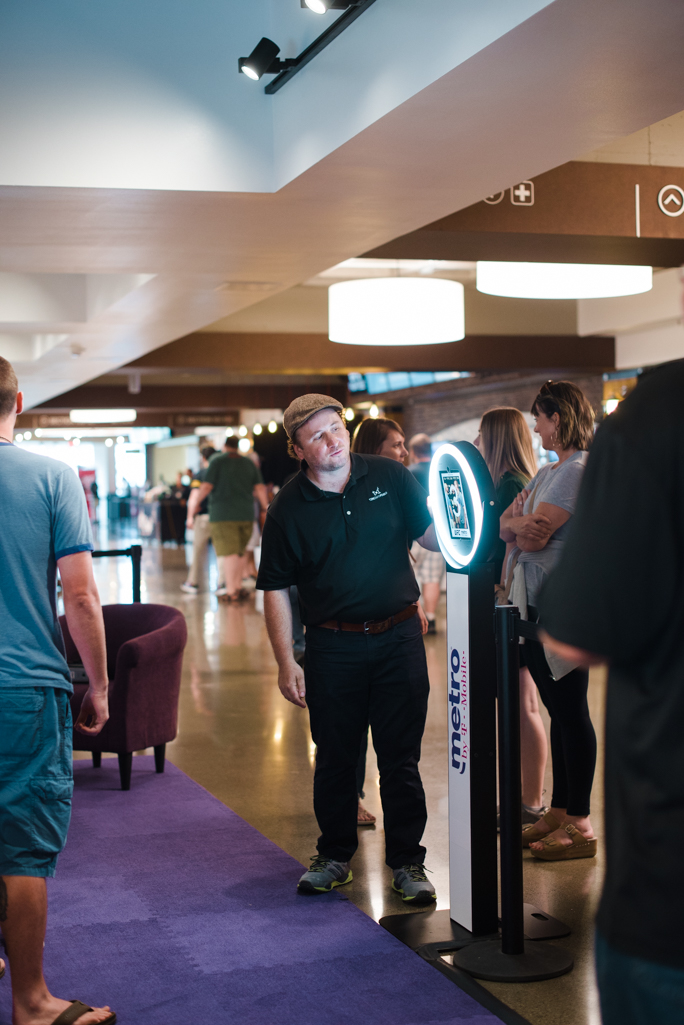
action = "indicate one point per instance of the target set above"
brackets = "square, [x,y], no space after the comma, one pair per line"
[250,748]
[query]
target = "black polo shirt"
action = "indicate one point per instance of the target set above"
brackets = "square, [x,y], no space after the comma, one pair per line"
[347,554]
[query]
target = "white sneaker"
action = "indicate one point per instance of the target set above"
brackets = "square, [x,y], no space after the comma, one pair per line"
[221,591]
[189,588]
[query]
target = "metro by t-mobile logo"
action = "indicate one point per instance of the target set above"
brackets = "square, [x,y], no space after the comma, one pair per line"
[458,698]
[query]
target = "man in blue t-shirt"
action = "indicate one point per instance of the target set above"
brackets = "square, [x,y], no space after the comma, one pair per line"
[45,527]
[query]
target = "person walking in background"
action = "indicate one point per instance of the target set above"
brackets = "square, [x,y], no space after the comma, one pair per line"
[379,436]
[231,483]
[198,521]
[506,445]
[45,527]
[428,566]
[340,531]
[538,522]
[616,596]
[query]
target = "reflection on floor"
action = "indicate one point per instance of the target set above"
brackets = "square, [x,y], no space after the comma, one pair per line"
[251,749]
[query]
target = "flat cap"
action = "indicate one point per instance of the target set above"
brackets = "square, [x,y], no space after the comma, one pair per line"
[303,408]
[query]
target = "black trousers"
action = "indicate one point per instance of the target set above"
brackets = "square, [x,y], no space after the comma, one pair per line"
[353,680]
[573,739]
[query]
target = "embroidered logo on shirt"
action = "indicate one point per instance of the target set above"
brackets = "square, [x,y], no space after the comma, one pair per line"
[377,494]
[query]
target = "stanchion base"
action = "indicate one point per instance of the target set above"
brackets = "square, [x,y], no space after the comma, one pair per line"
[486,961]
[539,925]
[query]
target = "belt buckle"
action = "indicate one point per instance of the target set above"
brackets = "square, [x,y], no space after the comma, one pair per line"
[367,626]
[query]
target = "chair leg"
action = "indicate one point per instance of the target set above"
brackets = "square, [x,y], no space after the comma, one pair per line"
[159,757]
[97,759]
[125,766]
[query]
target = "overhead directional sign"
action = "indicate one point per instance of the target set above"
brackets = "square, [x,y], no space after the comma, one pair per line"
[580,212]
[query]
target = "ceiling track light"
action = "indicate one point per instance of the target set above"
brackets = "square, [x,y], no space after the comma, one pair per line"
[323,6]
[263,60]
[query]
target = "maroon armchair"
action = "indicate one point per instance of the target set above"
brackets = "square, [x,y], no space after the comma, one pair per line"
[144,656]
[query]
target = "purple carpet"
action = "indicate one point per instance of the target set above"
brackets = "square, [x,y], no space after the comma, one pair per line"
[174,910]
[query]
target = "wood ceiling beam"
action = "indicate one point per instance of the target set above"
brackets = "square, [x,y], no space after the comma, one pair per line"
[174,398]
[316,354]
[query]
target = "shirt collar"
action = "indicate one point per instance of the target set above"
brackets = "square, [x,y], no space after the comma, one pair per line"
[312,493]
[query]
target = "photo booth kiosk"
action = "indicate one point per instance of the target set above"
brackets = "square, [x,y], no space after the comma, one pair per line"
[466,517]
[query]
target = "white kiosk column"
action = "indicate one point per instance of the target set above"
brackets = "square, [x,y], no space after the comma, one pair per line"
[466,521]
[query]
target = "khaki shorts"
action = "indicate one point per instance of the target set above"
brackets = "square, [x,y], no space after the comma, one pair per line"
[230,537]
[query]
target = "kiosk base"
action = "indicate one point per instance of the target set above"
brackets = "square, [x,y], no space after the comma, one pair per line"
[429,927]
[487,961]
[419,929]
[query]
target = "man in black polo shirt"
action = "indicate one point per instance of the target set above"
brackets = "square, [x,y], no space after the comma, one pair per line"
[341,531]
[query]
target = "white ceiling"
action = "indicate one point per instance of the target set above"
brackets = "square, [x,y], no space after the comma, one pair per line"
[561,83]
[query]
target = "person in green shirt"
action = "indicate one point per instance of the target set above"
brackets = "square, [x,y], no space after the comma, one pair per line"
[231,483]
[505,442]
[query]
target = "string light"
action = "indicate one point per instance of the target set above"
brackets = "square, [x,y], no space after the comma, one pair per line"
[257,429]
[272,427]
[374,412]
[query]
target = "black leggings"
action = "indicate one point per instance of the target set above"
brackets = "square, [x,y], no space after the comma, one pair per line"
[573,740]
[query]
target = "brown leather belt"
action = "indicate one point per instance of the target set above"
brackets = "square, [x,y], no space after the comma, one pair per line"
[371,626]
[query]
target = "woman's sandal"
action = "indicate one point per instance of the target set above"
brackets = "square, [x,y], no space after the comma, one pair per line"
[531,834]
[554,850]
[76,1011]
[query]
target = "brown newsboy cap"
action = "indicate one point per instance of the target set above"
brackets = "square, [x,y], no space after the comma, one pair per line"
[303,408]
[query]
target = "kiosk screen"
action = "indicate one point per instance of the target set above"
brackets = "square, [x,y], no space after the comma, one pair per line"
[454,500]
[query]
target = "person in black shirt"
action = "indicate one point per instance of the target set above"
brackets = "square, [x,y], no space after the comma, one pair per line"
[617,596]
[340,531]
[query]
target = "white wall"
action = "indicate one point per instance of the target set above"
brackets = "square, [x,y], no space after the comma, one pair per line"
[647,328]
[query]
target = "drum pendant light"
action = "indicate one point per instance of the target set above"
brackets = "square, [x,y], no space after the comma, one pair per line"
[396,311]
[562,280]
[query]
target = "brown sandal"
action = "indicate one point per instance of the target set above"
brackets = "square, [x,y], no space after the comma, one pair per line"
[530,833]
[76,1011]
[554,850]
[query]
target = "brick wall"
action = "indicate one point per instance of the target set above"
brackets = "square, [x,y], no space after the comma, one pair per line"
[439,406]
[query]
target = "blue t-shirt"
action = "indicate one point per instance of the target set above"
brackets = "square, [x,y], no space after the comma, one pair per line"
[43,516]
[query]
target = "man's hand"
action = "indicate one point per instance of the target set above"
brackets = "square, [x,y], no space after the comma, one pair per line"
[587,659]
[423,620]
[94,712]
[291,683]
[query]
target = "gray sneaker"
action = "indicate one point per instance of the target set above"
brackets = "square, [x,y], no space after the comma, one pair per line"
[323,875]
[413,885]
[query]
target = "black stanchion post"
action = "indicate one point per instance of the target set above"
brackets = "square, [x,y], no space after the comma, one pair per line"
[135,552]
[513,959]
[510,790]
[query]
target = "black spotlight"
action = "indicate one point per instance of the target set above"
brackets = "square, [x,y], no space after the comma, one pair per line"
[321,6]
[263,60]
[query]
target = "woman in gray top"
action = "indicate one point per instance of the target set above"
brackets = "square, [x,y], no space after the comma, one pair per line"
[537,521]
